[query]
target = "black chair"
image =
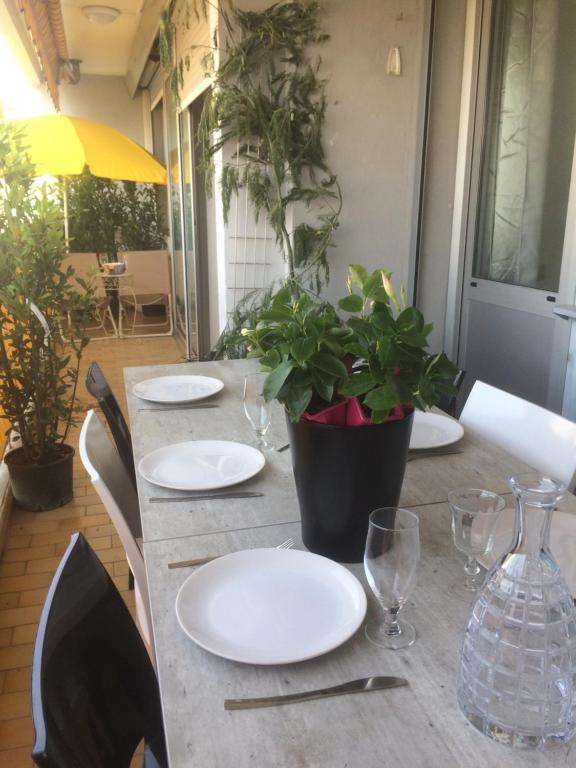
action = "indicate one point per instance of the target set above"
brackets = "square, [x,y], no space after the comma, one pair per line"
[448,403]
[98,387]
[94,691]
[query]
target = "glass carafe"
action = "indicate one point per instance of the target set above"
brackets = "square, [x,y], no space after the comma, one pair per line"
[517,673]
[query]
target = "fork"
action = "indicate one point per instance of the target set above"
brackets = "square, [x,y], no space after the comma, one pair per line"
[288,544]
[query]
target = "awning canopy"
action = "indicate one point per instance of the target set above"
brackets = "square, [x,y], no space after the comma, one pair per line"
[44,20]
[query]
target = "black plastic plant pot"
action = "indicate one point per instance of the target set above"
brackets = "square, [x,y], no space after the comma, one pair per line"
[40,487]
[341,475]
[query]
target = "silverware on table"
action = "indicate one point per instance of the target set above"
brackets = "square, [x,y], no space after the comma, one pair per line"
[364,685]
[283,448]
[206,496]
[288,544]
[424,454]
[193,406]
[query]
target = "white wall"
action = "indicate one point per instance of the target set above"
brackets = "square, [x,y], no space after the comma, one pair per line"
[105,99]
[372,130]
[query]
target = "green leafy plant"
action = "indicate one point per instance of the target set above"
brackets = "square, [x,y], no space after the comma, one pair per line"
[98,208]
[268,105]
[263,120]
[378,353]
[38,370]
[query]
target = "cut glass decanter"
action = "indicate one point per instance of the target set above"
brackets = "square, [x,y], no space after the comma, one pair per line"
[517,676]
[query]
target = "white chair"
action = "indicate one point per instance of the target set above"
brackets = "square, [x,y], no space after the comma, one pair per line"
[544,440]
[148,290]
[112,483]
[86,266]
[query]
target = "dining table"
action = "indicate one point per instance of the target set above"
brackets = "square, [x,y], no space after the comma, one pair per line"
[411,726]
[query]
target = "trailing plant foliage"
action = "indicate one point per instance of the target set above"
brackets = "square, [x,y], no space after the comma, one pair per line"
[316,358]
[98,208]
[265,113]
[38,371]
[232,343]
[267,106]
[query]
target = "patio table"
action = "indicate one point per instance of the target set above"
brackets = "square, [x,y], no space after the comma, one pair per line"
[415,726]
[427,481]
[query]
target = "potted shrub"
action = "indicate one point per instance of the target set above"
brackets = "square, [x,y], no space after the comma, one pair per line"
[38,371]
[349,387]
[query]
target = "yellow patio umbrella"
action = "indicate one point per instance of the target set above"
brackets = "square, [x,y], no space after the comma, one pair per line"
[60,145]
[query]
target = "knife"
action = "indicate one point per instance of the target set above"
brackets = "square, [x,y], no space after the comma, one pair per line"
[356,686]
[207,496]
[179,408]
[424,454]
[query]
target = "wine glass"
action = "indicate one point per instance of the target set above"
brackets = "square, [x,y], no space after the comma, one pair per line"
[390,562]
[256,408]
[474,513]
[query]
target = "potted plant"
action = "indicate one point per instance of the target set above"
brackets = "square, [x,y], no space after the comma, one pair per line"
[349,387]
[38,370]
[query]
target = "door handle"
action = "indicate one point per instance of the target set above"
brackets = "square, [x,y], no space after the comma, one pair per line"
[566,311]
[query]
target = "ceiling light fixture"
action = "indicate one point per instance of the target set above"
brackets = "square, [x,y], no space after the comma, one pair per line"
[100,14]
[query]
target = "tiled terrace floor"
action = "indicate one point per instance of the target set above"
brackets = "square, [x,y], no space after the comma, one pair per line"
[37,540]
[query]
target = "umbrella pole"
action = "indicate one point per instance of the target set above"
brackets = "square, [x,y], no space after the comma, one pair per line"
[65,202]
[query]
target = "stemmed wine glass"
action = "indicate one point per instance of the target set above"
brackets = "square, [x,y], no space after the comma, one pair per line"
[474,513]
[390,562]
[256,408]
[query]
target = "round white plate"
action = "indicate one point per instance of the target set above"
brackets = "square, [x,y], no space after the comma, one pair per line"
[270,606]
[177,389]
[201,465]
[432,430]
[562,543]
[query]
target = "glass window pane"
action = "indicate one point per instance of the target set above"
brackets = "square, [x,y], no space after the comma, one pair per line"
[529,143]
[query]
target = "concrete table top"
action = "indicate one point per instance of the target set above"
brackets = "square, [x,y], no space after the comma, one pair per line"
[413,727]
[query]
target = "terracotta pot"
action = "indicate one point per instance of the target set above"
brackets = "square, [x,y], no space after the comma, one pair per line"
[43,486]
[342,473]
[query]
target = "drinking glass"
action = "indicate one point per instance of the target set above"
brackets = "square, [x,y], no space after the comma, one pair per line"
[390,562]
[474,513]
[256,408]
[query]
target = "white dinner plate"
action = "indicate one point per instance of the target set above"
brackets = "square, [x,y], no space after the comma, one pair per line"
[201,465]
[432,430]
[562,543]
[270,606]
[177,389]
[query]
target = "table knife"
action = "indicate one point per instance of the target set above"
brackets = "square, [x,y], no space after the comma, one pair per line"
[364,685]
[198,406]
[425,454]
[206,497]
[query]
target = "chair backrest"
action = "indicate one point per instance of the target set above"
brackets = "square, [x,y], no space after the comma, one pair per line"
[544,440]
[85,265]
[110,480]
[150,271]
[94,690]
[98,387]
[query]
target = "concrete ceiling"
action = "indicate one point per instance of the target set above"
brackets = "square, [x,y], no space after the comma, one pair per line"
[104,49]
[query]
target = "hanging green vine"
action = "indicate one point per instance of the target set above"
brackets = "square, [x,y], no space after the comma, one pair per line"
[267,106]
[269,102]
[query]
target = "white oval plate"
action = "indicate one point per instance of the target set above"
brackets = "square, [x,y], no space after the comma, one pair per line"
[432,430]
[562,543]
[201,465]
[177,389]
[270,606]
